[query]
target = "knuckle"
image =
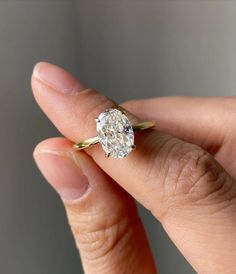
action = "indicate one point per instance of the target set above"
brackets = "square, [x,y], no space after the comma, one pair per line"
[180,174]
[189,175]
[197,176]
[202,174]
[210,184]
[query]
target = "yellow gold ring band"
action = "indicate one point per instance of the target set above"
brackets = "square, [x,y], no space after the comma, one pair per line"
[95,140]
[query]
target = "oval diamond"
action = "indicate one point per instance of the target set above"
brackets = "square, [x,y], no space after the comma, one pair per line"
[115,133]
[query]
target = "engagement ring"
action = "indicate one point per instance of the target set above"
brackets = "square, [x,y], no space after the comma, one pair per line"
[115,133]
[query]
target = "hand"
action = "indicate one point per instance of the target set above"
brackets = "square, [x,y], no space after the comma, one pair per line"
[186,181]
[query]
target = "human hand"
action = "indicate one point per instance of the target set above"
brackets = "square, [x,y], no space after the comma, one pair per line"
[186,181]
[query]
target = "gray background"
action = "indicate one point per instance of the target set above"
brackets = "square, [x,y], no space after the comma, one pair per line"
[127,49]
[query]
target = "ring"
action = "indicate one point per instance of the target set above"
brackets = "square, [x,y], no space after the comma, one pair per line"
[115,133]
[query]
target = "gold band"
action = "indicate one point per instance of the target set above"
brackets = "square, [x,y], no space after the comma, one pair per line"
[95,140]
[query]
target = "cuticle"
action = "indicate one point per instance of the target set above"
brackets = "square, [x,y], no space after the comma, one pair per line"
[51,151]
[80,199]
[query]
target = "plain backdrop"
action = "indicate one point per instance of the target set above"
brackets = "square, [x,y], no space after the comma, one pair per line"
[125,48]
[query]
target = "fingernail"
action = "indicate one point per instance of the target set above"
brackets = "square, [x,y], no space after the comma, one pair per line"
[62,172]
[57,78]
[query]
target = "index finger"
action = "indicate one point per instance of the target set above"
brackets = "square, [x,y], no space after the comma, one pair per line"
[205,121]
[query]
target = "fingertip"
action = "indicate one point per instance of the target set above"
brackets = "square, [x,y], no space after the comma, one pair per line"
[57,78]
[58,166]
[53,144]
[37,67]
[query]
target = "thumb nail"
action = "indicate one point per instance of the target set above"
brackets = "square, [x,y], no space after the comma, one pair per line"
[62,172]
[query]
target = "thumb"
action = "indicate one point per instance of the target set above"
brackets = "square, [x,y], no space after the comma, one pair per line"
[102,216]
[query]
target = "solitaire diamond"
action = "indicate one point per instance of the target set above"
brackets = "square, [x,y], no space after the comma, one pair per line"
[115,133]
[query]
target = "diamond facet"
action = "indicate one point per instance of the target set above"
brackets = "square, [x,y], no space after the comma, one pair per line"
[115,133]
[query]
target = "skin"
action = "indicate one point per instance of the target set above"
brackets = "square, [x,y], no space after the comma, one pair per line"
[183,171]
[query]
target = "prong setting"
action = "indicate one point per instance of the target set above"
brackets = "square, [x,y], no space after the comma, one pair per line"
[133,147]
[107,155]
